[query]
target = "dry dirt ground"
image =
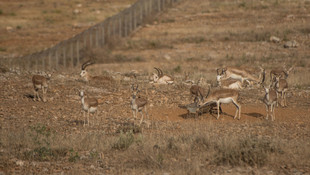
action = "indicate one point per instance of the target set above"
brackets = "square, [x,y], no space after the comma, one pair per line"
[188,41]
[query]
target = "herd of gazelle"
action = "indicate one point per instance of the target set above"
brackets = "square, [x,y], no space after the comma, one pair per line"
[230,80]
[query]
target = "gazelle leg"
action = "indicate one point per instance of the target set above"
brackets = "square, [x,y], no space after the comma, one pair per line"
[141,117]
[273,117]
[267,111]
[218,110]
[238,109]
[88,117]
[84,117]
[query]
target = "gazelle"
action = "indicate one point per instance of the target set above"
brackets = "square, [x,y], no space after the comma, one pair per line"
[89,105]
[87,77]
[160,78]
[228,83]
[137,103]
[270,100]
[282,72]
[281,86]
[40,82]
[243,75]
[220,96]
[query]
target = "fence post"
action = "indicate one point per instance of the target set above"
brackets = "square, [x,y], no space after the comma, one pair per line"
[125,25]
[103,35]
[56,59]
[64,55]
[77,52]
[50,59]
[84,40]
[97,36]
[91,38]
[71,53]
[120,26]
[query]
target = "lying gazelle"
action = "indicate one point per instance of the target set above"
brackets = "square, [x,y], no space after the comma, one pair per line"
[160,78]
[220,96]
[281,87]
[87,77]
[228,83]
[137,103]
[89,105]
[282,72]
[40,82]
[242,75]
[270,100]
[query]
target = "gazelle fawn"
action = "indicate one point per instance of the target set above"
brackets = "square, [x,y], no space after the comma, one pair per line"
[281,86]
[89,105]
[39,82]
[137,103]
[270,100]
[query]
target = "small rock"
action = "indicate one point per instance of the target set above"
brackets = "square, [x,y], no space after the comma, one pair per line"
[291,44]
[20,163]
[92,167]
[167,57]
[9,28]
[274,39]
[79,5]
[77,11]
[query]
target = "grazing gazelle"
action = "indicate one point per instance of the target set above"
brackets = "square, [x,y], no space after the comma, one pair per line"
[89,105]
[220,96]
[282,72]
[137,103]
[40,82]
[270,100]
[160,78]
[243,75]
[281,86]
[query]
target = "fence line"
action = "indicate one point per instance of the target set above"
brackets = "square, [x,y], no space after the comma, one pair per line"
[67,53]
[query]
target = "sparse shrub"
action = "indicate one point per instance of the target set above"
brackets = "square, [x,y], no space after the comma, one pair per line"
[18,27]
[12,14]
[42,137]
[74,156]
[177,69]
[248,151]
[2,49]
[1,12]
[124,141]
[171,145]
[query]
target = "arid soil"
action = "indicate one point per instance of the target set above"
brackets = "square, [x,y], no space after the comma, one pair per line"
[187,42]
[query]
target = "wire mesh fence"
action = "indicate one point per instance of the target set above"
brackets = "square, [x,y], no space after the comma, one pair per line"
[67,53]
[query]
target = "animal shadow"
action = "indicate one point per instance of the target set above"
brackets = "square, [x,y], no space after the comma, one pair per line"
[255,114]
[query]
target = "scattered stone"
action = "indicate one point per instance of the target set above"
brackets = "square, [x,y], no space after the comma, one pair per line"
[167,57]
[77,11]
[20,163]
[291,44]
[9,28]
[274,39]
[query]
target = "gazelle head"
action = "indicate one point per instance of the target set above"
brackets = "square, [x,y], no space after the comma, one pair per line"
[84,73]
[158,75]
[135,91]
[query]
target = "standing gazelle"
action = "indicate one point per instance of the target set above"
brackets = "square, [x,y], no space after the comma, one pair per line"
[137,103]
[282,72]
[89,105]
[39,82]
[270,100]
[223,96]
[281,86]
